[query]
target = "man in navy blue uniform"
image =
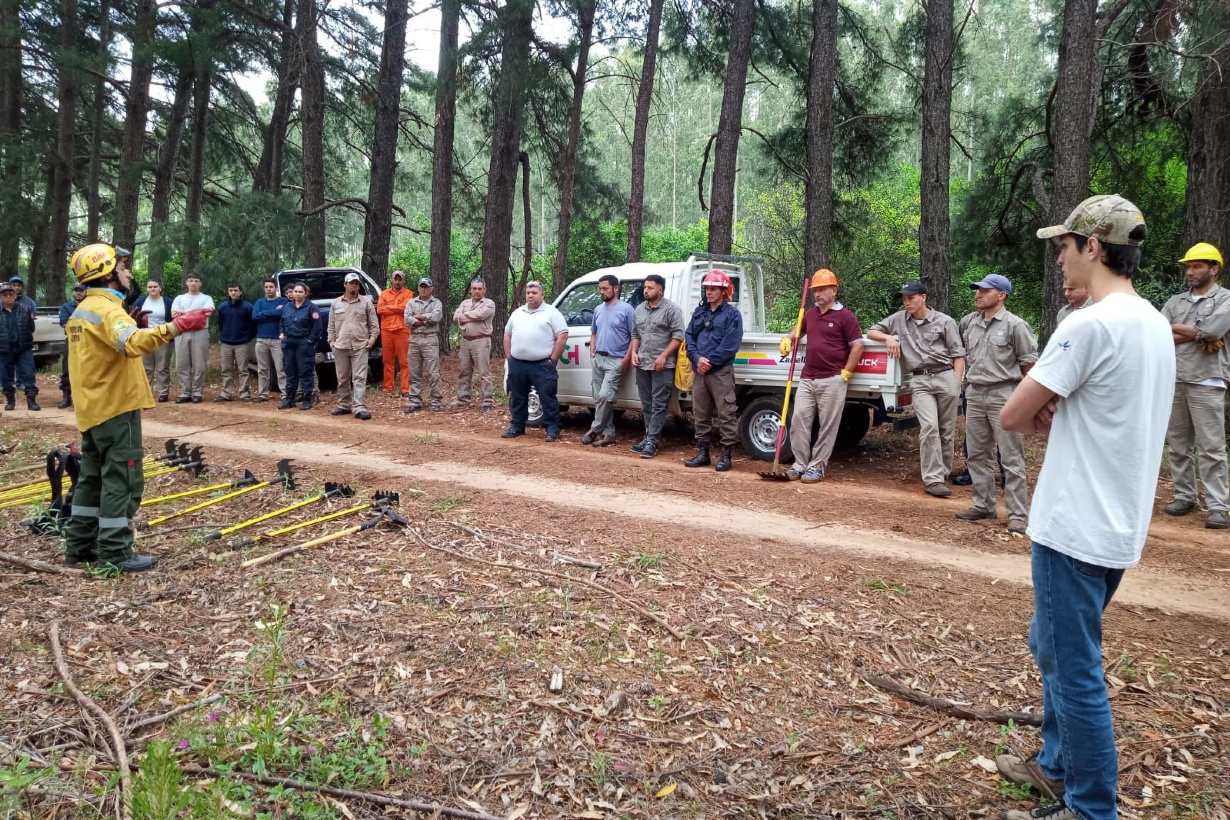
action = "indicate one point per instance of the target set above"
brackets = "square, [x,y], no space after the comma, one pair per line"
[713,338]
[16,349]
[301,329]
[235,331]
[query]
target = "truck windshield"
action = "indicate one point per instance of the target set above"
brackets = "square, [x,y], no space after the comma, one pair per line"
[579,303]
[323,284]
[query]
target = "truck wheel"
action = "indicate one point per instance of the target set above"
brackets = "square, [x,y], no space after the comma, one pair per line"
[533,410]
[758,429]
[855,422]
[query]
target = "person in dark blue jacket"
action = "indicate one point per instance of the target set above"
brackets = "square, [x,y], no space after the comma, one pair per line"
[301,330]
[66,312]
[713,338]
[236,331]
[267,314]
[16,349]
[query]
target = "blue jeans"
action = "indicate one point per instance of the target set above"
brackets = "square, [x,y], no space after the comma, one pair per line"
[17,370]
[1065,637]
[540,375]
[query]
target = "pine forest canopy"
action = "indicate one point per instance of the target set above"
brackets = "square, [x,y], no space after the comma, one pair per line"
[886,140]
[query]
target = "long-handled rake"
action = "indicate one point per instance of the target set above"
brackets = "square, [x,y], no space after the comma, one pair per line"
[775,474]
[331,491]
[382,514]
[285,477]
[382,498]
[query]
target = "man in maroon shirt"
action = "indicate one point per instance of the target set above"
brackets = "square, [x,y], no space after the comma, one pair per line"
[834,345]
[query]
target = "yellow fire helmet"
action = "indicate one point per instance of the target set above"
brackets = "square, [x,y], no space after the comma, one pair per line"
[1202,252]
[97,261]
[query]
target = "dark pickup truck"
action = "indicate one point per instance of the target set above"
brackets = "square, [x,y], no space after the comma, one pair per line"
[327,284]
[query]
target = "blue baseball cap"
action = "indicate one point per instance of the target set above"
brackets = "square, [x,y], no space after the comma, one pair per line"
[17,279]
[426,280]
[994,281]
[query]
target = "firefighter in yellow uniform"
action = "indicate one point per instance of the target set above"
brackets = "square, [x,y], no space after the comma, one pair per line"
[110,391]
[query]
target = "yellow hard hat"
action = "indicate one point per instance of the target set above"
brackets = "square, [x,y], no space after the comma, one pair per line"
[93,262]
[1202,252]
[823,278]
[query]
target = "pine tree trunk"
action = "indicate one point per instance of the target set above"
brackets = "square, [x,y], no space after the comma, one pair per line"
[379,223]
[312,85]
[269,169]
[164,176]
[644,99]
[66,128]
[730,125]
[818,193]
[442,161]
[101,96]
[527,219]
[1071,121]
[517,19]
[195,194]
[1207,217]
[936,136]
[586,10]
[11,171]
[132,165]
[40,240]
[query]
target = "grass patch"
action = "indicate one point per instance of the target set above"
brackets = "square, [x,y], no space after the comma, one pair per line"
[448,502]
[880,585]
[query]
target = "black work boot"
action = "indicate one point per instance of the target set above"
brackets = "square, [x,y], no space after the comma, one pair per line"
[65,403]
[307,402]
[287,403]
[701,459]
[724,462]
[31,404]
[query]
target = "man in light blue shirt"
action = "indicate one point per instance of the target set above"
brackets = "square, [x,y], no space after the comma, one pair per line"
[610,344]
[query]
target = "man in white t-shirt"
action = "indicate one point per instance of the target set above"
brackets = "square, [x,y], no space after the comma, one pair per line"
[534,339]
[191,349]
[1102,390]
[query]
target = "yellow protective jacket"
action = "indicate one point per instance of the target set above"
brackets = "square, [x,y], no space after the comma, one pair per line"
[105,347]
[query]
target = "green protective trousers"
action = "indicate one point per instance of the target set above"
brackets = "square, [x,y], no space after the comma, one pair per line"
[108,491]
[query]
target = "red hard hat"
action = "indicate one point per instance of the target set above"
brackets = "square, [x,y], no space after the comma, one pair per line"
[716,278]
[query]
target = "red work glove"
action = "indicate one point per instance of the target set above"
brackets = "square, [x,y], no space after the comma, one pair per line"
[191,320]
[141,317]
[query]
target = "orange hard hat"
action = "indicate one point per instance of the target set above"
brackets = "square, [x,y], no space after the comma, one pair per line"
[823,278]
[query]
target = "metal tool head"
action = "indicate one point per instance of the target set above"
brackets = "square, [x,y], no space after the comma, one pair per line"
[332,490]
[247,481]
[383,498]
[384,514]
[183,450]
[773,476]
[392,515]
[170,445]
[286,474]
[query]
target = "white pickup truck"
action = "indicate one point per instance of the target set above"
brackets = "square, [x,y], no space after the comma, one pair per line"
[877,388]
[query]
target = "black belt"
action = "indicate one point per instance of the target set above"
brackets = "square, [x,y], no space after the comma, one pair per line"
[931,371]
[601,353]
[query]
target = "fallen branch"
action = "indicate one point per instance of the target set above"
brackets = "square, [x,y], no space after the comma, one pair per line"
[178,710]
[91,708]
[436,809]
[580,562]
[948,707]
[675,633]
[36,566]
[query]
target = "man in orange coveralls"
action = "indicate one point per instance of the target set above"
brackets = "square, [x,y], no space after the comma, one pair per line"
[394,335]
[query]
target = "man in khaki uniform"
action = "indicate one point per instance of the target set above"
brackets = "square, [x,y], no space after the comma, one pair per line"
[474,316]
[1199,319]
[1078,298]
[423,315]
[353,329]
[929,346]
[999,350]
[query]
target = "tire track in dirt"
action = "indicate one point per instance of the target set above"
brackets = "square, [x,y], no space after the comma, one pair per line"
[1142,586]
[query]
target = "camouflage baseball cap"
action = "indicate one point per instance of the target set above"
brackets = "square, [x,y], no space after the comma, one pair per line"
[1109,217]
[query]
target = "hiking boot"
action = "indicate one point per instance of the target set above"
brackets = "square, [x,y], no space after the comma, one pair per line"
[486,408]
[1017,525]
[197,399]
[963,479]
[459,405]
[813,476]
[31,404]
[183,399]
[973,513]
[260,399]
[589,437]
[512,432]
[414,408]
[65,403]
[220,399]
[164,398]
[363,415]
[640,445]
[939,489]
[649,450]
[1179,507]
[306,405]
[340,411]
[437,408]
[133,563]
[10,401]
[1056,812]
[701,459]
[723,463]
[1217,520]
[605,441]
[1027,772]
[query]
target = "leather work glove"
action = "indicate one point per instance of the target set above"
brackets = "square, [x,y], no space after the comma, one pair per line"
[845,375]
[1212,346]
[785,345]
[191,320]
[141,317]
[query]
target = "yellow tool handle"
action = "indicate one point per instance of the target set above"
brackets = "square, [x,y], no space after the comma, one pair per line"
[268,515]
[21,502]
[209,503]
[798,326]
[186,493]
[302,524]
[315,542]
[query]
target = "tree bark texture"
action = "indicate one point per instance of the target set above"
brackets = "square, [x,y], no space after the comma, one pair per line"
[164,176]
[1207,217]
[586,10]
[1071,121]
[98,115]
[517,19]
[312,87]
[730,125]
[379,223]
[66,133]
[10,138]
[640,132]
[936,135]
[132,165]
[273,150]
[202,60]
[818,191]
[442,160]
[527,218]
